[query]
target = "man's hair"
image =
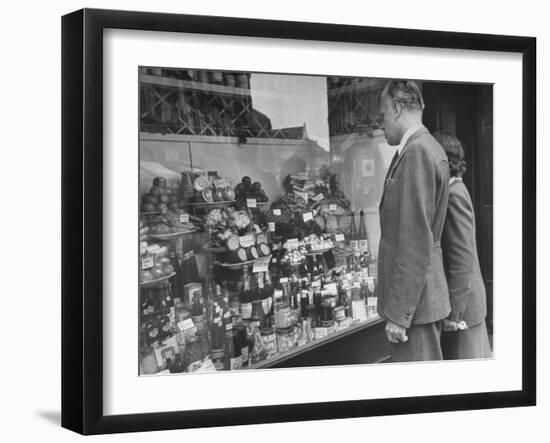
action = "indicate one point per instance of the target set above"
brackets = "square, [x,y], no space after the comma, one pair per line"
[405,92]
[454,150]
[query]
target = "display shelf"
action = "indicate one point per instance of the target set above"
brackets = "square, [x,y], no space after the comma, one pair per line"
[156,281]
[240,265]
[279,358]
[172,235]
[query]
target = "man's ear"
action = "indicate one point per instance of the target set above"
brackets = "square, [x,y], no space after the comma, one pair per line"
[397,109]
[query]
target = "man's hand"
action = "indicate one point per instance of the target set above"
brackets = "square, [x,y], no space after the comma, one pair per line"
[396,333]
[453,326]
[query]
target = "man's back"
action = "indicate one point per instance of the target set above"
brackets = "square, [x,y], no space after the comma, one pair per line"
[412,288]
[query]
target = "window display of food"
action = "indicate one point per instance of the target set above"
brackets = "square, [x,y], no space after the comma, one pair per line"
[274,285]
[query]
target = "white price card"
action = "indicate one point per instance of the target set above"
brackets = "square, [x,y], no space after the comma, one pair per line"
[251,202]
[283,280]
[271,226]
[247,240]
[184,218]
[147,262]
[308,216]
[262,264]
[332,207]
[331,288]
[276,212]
[339,237]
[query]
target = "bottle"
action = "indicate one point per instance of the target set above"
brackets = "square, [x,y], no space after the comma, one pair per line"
[362,235]
[354,236]
[177,366]
[372,263]
[188,269]
[233,356]
[267,300]
[246,295]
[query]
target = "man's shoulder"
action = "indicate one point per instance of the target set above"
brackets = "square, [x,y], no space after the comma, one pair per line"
[422,143]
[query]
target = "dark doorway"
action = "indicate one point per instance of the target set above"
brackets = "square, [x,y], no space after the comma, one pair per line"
[466,110]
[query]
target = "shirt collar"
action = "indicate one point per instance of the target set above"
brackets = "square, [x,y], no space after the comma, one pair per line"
[406,137]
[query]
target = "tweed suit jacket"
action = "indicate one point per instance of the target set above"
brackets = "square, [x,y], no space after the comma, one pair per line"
[466,288]
[412,288]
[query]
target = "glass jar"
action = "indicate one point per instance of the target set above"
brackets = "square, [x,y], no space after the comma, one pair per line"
[269,341]
[148,361]
[285,341]
[193,354]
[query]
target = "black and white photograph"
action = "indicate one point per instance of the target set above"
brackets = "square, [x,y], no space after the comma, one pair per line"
[290,220]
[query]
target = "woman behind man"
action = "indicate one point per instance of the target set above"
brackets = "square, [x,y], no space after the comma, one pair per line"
[465,333]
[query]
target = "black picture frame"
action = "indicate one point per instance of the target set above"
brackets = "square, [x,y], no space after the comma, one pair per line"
[82,215]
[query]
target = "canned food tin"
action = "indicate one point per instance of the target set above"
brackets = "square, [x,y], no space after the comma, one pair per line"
[283,317]
[339,313]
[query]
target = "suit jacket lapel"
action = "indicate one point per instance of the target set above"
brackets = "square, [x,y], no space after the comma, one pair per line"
[391,171]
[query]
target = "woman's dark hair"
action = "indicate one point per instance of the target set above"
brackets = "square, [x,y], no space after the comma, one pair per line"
[454,150]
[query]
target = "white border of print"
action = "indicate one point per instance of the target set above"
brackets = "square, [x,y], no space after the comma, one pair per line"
[126,393]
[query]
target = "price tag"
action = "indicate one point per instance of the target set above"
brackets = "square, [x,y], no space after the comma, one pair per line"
[277,294]
[283,280]
[332,207]
[339,237]
[364,245]
[262,264]
[276,212]
[308,216]
[271,226]
[251,202]
[247,240]
[147,262]
[291,243]
[316,284]
[356,284]
[184,218]
[331,288]
[319,197]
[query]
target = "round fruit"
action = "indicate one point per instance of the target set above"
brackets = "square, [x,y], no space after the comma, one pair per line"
[155,190]
[167,269]
[239,189]
[148,207]
[256,186]
[173,206]
[151,199]
[160,181]
[157,272]
[164,260]
[170,191]
[246,181]
[145,276]
[164,199]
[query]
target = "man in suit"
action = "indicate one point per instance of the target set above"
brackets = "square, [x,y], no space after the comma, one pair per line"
[412,290]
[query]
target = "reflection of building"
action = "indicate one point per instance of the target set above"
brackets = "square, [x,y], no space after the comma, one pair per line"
[211,103]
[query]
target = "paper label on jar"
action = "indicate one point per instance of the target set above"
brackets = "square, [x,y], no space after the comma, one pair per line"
[359,310]
[339,237]
[184,218]
[372,301]
[276,212]
[277,294]
[354,244]
[266,305]
[246,310]
[363,245]
[235,363]
[271,226]
[308,216]
[262,264]
[332,207]
[147,262]
[283,280]
[251,202]
[247,240]
[316,284]
[320,333]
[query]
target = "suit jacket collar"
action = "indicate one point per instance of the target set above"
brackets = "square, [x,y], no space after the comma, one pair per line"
[420,131]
